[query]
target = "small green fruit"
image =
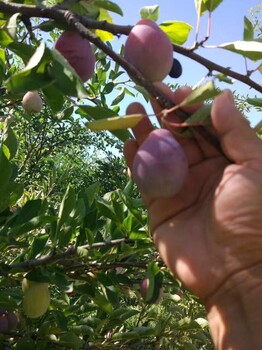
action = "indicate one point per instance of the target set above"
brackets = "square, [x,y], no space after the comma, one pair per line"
[26,283]
[36,300]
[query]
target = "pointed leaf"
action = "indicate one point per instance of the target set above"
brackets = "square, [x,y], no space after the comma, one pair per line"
[66,207]
[201,94]
[248,30]
[249,49]
[257,102]
[211,5]
[115,123]
[109,5]
[150,12]
[177,31]
[104,16]
[98,113]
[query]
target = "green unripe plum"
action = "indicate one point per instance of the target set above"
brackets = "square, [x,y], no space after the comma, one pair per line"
[32,102]
[26,283]
[3,323]
[149,49]
[160,165]
[78,53]
[36,300]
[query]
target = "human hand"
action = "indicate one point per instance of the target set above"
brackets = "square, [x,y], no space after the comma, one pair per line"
[210,233]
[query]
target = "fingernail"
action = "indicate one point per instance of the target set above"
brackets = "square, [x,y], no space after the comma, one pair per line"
[228,95]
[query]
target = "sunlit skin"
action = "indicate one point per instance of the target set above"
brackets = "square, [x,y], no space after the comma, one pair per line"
[210,233]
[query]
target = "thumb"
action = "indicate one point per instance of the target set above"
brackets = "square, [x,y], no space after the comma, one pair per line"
[238,140]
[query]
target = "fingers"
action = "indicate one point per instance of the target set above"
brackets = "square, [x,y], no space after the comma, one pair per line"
[141,130]
[239,141]
[144,127]
[176,97]
[130,149]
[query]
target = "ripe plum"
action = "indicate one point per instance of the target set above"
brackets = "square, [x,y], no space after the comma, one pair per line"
[149,49]
[32,102]
[160,166]
[78,53]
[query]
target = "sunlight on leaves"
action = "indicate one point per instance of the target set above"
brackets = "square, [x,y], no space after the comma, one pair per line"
[177,31]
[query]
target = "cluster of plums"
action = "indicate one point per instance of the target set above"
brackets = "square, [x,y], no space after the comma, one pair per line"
[160,165]
[147,48]
[8,320]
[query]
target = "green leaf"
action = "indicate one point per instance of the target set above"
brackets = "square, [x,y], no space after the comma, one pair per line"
[32,224]
[177,31]
[200,117]
[30,210]
[136,333]
[155,279]
[54,98]
[115,123]
[5,38]
[206,5]
[201,94]
[119,97]
[70,340]
[150,12]
[35,75]
[11,25]
[248,30]
[102,302]
[99,113]
[257,102]
[5,171]
[66,207]
[38,245]
[10,140]
[211,5]
[37,57]
[249,49]
[106,210]
[103,35]
[109,5]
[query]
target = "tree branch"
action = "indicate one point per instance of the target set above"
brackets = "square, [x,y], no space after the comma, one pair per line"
[211,66]
[70,252]
[80,23]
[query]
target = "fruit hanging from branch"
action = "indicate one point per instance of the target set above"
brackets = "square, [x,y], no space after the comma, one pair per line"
[149,49]
[36,299]
[176,69]
[78,53]
[32,102]
[160,166]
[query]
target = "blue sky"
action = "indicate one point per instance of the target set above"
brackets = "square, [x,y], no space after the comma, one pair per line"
[227,26]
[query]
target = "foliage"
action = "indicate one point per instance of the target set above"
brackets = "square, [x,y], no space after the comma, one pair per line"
[69,215]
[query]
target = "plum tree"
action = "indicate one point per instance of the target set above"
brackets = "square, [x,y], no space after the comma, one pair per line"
[149,49]
[78,53]
[176,69]
[32,102]
[160,166]
[36,300]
